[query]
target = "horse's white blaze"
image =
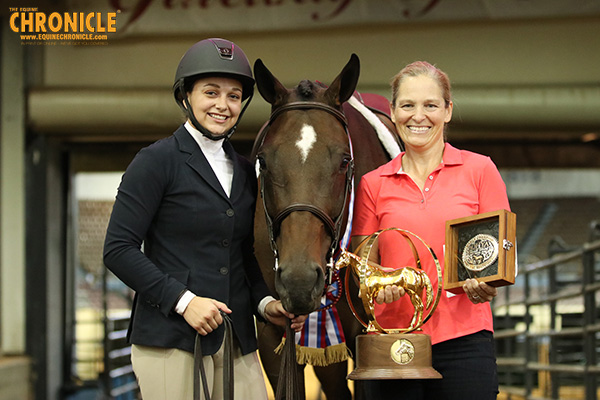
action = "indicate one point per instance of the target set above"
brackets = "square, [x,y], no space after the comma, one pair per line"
[308,137]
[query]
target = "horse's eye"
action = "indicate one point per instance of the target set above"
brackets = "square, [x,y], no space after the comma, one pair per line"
[345,162]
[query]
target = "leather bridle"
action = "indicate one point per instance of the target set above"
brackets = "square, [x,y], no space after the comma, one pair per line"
[334,226]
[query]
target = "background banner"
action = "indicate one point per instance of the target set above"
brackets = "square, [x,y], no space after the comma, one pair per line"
[158,17]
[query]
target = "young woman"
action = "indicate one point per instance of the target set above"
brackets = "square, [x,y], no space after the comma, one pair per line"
[189,199]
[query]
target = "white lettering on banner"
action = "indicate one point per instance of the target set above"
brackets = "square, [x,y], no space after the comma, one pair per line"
[150,17]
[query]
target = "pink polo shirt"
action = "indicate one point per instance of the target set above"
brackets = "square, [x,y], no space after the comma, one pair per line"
[464,184]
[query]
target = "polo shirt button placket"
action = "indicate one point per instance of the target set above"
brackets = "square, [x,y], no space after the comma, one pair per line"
[426,190]
[422,205]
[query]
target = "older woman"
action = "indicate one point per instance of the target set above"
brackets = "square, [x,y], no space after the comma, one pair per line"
[419,190]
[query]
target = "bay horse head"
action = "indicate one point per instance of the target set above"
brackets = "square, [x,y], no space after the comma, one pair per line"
[305,166]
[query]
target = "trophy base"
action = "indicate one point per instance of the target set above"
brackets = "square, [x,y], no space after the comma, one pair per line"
[393,356]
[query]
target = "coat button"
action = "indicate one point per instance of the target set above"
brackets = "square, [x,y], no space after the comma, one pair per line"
[224,270]
[230,212]
[225,242]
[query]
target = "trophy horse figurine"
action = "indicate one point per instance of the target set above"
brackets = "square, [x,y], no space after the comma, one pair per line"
[392,353]
[413,281]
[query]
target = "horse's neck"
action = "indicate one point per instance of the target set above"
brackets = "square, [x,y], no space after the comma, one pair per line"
[368,149]
[385,136]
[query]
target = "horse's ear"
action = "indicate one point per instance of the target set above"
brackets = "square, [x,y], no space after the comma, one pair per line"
[344,85]
[269,87]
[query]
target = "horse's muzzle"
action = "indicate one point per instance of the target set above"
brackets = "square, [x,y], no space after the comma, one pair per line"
[300,287]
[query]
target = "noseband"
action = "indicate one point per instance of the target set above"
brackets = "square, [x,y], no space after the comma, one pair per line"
[333,226]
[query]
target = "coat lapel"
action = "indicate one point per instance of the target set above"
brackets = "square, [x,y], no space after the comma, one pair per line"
[239,178]
[197,161]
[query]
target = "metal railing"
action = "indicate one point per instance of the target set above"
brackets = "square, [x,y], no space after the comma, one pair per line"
[547,325]
[119,379]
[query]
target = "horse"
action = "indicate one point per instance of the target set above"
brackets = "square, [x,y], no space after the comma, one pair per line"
[413,280]
[309,153]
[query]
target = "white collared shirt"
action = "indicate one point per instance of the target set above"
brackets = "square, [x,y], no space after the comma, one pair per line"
[220,163]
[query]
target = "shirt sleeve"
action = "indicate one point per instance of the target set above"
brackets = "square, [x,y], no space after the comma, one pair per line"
[492,189]
[263,304]
[185,299]
[364,220]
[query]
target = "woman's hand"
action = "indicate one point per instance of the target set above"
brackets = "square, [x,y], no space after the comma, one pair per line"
[204,314]
[276,314]
[389,294]
[479,292]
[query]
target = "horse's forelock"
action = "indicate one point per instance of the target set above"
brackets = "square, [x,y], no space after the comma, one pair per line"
[306,90]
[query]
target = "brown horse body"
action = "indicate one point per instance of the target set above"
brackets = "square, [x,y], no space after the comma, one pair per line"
[303,159]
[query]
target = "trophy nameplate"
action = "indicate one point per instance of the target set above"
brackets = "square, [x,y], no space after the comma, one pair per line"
[393,356]
[392,353]
[482,247]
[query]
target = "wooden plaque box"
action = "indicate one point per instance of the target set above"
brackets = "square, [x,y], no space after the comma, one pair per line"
[480,246]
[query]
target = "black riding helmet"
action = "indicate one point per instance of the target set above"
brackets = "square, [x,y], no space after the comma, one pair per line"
[212,57]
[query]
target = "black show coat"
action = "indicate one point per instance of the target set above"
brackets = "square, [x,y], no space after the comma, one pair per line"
[194,237]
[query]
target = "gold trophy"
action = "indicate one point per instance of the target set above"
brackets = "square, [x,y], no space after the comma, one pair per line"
[392,353]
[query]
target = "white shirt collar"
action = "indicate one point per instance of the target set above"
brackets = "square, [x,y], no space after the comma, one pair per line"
[208,146]
[213,150]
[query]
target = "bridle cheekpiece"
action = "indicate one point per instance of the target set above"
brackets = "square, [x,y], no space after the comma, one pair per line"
[334,226]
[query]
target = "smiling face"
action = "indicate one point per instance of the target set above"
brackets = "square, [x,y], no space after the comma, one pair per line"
[216,103]
[419,112]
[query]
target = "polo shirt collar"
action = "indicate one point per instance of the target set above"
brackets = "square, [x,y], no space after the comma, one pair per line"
[452,156]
